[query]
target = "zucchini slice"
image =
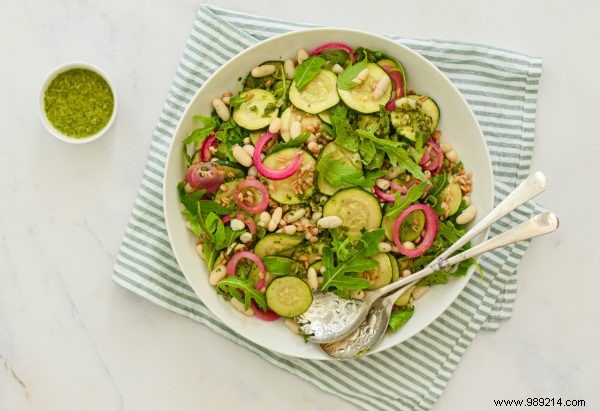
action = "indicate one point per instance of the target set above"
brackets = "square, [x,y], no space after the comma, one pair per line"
[360,97]
[288,117]
[318,95]
[231,185]
[325,117]
[358,209]
[404,299]
[288,296]
[277,244]
[415,114]
[395,268]
[335,152]
[380,275]
[284,190]
[411,227]
[258,111]
[451,195]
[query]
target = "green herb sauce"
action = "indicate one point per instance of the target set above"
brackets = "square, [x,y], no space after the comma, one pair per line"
[78,103]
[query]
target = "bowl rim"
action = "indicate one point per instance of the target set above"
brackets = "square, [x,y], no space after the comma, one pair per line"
[171,151]
[41,105]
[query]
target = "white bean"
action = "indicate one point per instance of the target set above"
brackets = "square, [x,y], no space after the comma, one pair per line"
[241,156]
[238,305]
[357,295]
[467,200]
[382,85]
[419,291]
[307,235]
[301,55]
[393,172]
[289,229]
[382,183]
[313,147]
[331,221]
[316,216]
[451,155]
[409,245]
[217,274]
[289,323]
[295,129]
[406,273]
[246,237]
[188,188]
[263,71]
[275,219]
[275,125]
[445,147]
[294,215]
[249,148]
[467,215]
[289,68]
[337,69]
[362,76]
[385,247]
[311,279]
[221,109]
[237,225]
[199,251]
[252,171]
[264,217]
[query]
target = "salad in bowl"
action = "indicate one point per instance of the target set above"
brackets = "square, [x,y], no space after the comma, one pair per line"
[323,172]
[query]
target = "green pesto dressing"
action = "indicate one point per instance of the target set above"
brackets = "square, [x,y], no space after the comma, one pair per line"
[78,103]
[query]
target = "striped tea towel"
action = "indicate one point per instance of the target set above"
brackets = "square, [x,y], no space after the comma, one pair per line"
[501,87]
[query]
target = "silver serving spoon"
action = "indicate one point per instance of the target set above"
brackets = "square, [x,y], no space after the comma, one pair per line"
[372,329]
[331,318]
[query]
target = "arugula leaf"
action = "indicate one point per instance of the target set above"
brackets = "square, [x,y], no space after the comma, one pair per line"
[346,77]
[307,71]
[230,134]
[402,203]
[436,278]
[338,172]
[190,200]
[295,142]
[277,265]
[449,232]
[198,135]
[237,101]
[333,57]
[376,162]
[337,276]
[400,317]
[243,290]
[398,156]
[345,136]
[367,151]
[373,56]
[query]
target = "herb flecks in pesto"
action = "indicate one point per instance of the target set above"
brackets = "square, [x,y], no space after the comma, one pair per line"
[78,103]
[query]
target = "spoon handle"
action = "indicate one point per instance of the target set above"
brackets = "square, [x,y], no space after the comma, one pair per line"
[529,188]
[541,224]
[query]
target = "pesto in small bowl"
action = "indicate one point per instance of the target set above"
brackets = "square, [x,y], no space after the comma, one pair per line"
[77,103]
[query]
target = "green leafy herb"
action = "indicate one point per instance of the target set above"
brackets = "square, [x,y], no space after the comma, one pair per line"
[346,77]
[345,136]
[372,56]
[449,232]
[230,134]
[333,57]
[198,135]
[277,265]
[439,277]
[295,142]
[338,276]
[400,317]
[402,203]
[235,286]
[398,156]
[338,172]
[237,100]
[307,71]
[367,151]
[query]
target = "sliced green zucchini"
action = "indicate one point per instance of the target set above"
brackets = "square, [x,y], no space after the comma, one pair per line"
[288,296]
[414,115]
[401,72]
[335,152]
[221,194]
[318,95]
[255,135]
[278,244]
[325,117]
[288,117]
[254,276]
[411,227]
[284,190]
[360,97]
[358,209]
[405,298]
[312,252]
[395,267]
[229,170]
[258,111]
[380,275]
[452,196]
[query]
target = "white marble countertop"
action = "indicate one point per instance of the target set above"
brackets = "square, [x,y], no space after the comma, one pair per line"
[70,339]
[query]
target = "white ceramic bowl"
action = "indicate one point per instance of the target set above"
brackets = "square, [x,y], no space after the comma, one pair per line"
[458,125]
[53,131]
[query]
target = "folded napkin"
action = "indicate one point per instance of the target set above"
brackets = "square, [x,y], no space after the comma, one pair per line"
[501,87]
